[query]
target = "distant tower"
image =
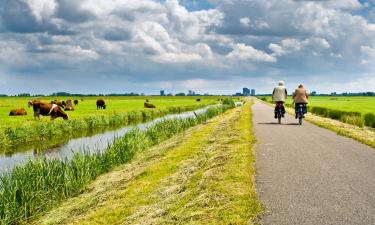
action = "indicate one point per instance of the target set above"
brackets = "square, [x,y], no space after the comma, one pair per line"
[246,91]
[252,92]
[162,93]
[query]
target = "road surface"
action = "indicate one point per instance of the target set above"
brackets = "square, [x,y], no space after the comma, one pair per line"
[310,175]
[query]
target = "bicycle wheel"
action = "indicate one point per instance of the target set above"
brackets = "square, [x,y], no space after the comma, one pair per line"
[300,119]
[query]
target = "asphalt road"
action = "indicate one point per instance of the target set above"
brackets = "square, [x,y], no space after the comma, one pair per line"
[310,175]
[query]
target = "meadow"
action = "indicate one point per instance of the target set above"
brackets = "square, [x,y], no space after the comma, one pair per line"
[87,107]
[120,111]
[356,110]
[34,188]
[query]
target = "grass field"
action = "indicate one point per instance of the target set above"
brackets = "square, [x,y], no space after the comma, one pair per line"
[202,176]
[38,185]
[365,104]
[87,107]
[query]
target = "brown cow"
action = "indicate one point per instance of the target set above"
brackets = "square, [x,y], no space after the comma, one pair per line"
[47,109]
[75,102]
[18,112]
[149,105]
[61,104]
[69,108]
[100,104]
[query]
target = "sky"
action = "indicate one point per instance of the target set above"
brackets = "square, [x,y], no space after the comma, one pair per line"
[209,46]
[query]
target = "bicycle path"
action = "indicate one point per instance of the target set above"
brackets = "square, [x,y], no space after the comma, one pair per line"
[310,175]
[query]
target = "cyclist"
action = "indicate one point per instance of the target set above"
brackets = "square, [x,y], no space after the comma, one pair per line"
[279,95]
[300,96]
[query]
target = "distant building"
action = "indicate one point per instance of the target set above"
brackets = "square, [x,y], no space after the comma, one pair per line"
[191,93]
[252,92]
[246,92]
[162,93]
[238,94]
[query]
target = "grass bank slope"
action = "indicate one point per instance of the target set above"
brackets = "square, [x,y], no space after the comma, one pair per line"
[204,176]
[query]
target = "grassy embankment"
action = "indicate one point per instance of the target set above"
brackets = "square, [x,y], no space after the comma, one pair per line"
[120,111]
[31,189]
[360,133]
[203,176]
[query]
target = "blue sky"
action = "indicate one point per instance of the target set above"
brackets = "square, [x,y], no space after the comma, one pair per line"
[214,46]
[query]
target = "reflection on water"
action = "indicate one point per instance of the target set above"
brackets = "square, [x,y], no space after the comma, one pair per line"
[92,143]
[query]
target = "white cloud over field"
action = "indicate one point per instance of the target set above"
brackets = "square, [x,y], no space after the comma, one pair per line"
[152,45]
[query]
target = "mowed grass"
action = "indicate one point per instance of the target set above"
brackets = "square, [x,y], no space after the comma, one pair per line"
[362,104]
[87,107]
[204,176]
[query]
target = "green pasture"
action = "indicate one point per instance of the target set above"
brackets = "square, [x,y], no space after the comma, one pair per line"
[361,104]
[87,107]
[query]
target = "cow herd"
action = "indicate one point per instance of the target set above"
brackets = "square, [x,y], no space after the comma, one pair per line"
[56,108]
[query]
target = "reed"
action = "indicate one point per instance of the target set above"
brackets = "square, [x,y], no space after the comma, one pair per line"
[11,136]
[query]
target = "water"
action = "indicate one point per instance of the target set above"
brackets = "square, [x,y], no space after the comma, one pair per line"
[95,143]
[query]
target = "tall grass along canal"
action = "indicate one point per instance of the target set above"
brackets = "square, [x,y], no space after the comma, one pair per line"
[91,144]
[32,188]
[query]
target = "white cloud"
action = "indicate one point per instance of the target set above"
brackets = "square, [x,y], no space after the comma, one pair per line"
[42,9]
[245,52]
[245,21]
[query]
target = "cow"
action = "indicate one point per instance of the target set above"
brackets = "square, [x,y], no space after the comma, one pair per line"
[60,104]
[198,99]
[100,104]
[69,108]
[147,100]
[75,101]
[47,109]
[149,105]
[69,105]
[18,112]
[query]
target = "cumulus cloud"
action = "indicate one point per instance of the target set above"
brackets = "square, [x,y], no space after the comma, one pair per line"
[245,52]
[168,41]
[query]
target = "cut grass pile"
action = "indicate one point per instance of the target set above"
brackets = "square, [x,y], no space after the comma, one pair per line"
[31,189]
[203,176]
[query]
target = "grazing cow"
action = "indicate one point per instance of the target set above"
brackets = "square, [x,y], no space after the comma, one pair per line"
[47,109]
[69,102]
[198,99]
[58,103]
[81,99]
[100,104]
[147,100]
[149,105]
[18,112]
[69,108]
[75,101]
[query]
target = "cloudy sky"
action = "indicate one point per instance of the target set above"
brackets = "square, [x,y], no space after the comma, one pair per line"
[214,46]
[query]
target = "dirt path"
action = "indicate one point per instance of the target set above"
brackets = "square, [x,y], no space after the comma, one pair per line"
[310,175]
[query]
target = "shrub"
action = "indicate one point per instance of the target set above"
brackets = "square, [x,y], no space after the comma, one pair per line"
[229,101]
[369,119]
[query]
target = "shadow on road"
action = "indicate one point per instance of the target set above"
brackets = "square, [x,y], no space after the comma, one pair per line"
[275,123]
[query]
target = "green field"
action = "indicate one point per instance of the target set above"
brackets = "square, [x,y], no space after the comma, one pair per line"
[365,104]
[87,107]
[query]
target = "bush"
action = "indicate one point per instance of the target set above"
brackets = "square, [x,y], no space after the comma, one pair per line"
[229,101]
[369,119]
